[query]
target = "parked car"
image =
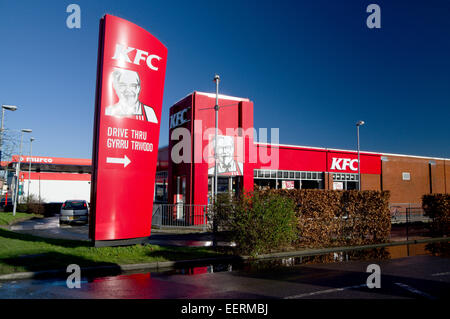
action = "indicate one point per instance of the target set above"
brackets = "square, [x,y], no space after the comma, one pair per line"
[74,211]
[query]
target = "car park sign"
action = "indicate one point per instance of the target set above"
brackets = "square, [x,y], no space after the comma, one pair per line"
[130,83]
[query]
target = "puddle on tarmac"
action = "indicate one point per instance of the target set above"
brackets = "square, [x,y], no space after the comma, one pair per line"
[145,278]
[383,253]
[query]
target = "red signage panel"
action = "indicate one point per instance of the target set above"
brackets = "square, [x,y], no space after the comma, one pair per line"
[130,83]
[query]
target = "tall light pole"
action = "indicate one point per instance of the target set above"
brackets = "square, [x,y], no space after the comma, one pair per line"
[9,108]
[216,108]
[16,188]
[360,123]
[29,167]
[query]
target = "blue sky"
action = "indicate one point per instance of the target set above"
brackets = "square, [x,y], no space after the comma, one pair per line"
[312,68]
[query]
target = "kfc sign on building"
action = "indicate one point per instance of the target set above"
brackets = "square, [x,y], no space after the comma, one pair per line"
[343,164]
[130,83]
[179,118]
[347,162]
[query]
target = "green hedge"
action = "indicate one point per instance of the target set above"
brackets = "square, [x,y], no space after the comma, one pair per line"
[437,207]
[46,209]
[258,223]
[262,221]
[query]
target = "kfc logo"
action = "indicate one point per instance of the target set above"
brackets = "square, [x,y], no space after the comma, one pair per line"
[127,85]
[122,52]
[226,163]
[342,164]
[178,118]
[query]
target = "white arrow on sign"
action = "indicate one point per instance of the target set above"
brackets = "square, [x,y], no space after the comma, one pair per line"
[114,160]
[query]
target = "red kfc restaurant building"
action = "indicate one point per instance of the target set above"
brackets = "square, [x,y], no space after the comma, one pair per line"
[185,168]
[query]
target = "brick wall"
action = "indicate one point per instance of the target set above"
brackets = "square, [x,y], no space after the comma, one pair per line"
[370,182]
[437,176]
[411,191]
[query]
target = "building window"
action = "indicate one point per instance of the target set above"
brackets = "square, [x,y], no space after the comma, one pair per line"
[345,181]
[288,179]
[161,187]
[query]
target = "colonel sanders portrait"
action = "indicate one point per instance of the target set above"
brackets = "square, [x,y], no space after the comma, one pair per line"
[127,85]
[226,164]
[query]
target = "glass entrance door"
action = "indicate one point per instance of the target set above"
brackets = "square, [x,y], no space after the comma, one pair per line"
[225,184]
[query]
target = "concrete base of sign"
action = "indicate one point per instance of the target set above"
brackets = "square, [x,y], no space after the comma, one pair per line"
[120,242]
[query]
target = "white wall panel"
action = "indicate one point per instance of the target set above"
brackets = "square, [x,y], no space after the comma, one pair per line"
[57,190]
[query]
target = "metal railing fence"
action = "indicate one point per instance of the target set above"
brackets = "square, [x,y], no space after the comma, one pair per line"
[180,215]
[402,213]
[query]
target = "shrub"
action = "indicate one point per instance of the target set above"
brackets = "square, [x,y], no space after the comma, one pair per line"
[51,209]
[437,207]
[30,205]
[223,209]
[258,223]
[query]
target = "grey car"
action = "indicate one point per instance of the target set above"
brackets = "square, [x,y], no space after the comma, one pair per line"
[74,211]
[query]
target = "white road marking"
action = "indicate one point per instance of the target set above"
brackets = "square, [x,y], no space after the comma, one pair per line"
[414,290]
[441,274]
[321,292]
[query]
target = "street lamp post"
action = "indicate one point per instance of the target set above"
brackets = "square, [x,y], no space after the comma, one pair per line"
[360,123]
[16,188]
[29,167]
[216,108]
[9,108]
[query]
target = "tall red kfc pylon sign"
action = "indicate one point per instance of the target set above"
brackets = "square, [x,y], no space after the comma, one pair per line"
[130,83]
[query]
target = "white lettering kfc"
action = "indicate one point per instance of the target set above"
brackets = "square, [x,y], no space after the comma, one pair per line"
[140,55]
[122,54]
[341,164]
[178,118]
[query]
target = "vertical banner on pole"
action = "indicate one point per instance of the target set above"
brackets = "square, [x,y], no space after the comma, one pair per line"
[130,83]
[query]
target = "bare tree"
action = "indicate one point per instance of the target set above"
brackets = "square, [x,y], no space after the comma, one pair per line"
[10,147]
[11,143]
